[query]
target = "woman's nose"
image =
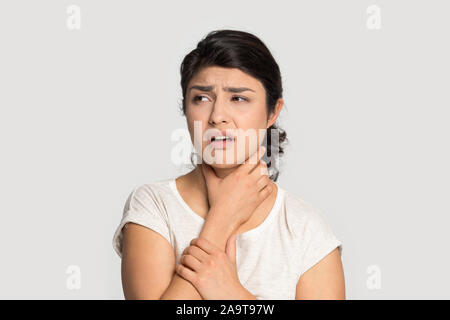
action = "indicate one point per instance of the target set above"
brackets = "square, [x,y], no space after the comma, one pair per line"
[219,113]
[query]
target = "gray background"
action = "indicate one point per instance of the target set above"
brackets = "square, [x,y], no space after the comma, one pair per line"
[87,115]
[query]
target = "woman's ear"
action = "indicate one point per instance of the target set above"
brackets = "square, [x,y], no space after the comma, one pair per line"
[274,115]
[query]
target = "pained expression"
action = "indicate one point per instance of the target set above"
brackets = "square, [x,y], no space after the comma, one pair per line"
[228,100]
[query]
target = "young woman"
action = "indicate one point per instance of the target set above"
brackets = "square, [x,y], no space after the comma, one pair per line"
[226,230]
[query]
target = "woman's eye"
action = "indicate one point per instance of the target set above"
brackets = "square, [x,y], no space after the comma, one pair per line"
[197,98]
[240,98]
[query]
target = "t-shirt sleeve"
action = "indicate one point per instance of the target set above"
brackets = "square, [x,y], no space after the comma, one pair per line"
[145,208]
[319,241]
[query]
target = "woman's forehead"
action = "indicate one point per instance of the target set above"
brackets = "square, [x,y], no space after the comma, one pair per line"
[224,78]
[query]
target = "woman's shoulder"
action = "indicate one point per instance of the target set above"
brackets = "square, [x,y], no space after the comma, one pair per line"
[309,224]
[297,205]
[302,213]
[150,192]
[157,186]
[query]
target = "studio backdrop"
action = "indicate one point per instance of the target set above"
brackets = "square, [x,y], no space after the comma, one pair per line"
[90,106]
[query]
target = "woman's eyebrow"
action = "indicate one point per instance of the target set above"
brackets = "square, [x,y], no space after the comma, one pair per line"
[229,89]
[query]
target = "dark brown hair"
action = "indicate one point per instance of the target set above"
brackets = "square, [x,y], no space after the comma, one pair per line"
[244,51]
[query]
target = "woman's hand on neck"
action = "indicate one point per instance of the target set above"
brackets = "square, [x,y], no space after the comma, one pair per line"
[199,178]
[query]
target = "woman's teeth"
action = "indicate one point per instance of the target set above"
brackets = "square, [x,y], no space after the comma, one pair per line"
[221,138]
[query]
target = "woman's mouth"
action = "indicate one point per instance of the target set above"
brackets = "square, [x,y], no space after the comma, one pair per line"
[221,142]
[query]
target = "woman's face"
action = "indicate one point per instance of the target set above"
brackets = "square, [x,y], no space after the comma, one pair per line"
[226,101]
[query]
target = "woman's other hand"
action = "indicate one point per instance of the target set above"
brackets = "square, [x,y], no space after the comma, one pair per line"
[212,271]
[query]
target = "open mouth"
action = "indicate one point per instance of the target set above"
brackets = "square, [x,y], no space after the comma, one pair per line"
[221,138]
[221,142]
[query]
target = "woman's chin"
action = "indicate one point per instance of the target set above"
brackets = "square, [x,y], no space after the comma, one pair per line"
[221,162]
[224,165]
[223,159]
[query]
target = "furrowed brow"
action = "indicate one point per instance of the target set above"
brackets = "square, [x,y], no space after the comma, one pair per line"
[229,89]
[237,90]
[201,88]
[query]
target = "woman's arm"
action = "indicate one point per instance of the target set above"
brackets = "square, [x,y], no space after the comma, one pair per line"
[148,261]
[217,230]
[324,281]
[151,267]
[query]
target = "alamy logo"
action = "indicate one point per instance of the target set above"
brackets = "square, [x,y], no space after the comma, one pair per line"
[73,21]
[374,280]
[221,147]
[73,282]
[374,19]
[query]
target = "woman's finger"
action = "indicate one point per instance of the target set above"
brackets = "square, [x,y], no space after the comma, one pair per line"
[185,273]
[205,245]
[262,182]
[260,170]
[190,261]
[196,252]
[265,192]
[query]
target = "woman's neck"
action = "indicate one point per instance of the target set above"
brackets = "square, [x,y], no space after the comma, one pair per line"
[198,179]
[194,190]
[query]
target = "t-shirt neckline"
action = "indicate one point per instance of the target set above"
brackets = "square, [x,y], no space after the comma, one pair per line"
[247,234]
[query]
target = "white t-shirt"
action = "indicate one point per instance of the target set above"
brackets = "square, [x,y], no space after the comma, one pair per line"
[270,258]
